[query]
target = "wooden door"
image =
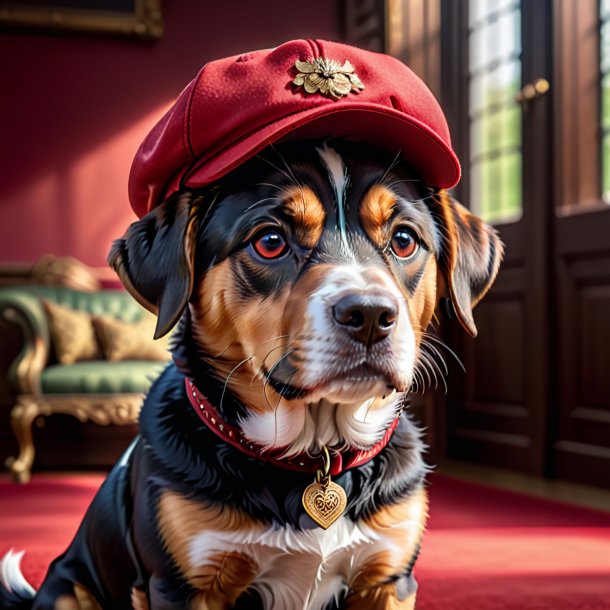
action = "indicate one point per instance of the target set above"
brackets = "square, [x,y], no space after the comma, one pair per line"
[536,396]
[580,440]
[497,412]
[536,393]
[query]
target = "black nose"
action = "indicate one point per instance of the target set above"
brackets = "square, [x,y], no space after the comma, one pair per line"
[368,318]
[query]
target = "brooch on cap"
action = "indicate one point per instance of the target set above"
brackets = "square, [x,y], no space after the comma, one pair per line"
[328,77]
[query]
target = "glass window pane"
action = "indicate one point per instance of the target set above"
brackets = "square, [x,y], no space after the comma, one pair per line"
[495,118]
[511,128]
[605,46]
[606,102]
[477,10]
[493,192]
[477,133]
[504,82]
[477,97]
[503,37]
[492,137]
[498,86]
[480,9]
[512,198]
[477,50]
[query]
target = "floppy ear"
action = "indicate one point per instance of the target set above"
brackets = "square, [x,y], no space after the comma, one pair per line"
[154,259]
[471,253]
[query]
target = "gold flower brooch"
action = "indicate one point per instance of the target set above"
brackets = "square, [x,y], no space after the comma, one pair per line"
[328,77]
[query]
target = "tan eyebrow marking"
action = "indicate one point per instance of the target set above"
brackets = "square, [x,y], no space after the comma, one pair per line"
[308,214]
[375,211]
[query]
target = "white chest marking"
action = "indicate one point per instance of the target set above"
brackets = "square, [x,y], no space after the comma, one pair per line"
[298,569]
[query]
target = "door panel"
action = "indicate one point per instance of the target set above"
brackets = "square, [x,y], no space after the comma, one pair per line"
[500,418]
[580,448]
[582,445]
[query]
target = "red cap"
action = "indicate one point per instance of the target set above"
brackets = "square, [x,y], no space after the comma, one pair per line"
[237,106]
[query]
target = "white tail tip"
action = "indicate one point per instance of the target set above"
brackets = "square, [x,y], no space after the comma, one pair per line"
[11,577]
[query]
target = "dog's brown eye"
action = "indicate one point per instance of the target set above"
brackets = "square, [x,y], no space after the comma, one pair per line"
[404,243]
[270,244]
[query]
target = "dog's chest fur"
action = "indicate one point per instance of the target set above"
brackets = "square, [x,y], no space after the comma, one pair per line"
[289,568]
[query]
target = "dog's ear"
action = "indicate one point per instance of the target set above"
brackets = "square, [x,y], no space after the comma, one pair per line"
[471,253]
[154,259]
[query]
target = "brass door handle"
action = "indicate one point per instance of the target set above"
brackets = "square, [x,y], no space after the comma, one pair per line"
[532,90]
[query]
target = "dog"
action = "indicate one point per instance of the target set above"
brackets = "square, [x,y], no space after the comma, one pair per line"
[277,465]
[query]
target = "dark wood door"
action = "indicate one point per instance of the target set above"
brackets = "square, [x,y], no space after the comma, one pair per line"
[536,395]
[580,443]
[497,412]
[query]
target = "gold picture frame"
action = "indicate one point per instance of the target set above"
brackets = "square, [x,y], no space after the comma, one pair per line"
[137,18]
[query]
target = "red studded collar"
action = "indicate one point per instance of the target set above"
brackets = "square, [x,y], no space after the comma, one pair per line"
[339,461]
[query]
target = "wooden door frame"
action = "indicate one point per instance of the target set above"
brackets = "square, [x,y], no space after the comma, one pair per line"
[530,239]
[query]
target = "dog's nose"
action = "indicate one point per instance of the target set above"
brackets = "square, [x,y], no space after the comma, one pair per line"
[368,318]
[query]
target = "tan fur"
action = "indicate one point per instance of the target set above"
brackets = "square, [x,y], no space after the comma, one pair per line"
[139,601]
[467,258]
[86,601]
[66,602]
[242,336]
[82,600]
[382,597]
[422,304]
[395,524]
[375,212]
[225,576]
[239,330]
[221,583]
[307,213]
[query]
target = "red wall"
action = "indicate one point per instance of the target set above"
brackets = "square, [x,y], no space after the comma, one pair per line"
[73,110]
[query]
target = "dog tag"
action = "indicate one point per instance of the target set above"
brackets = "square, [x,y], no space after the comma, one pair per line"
[324,501]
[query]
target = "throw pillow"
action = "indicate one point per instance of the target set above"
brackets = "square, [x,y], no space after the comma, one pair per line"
[130,340]
[72,333]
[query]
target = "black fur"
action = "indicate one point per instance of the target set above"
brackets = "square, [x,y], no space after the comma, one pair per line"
[161,259]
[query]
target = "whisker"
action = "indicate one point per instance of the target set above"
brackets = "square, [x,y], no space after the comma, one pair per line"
[281,396]
[259,202]
[392,166]
[221,353]
[207,212]
[391,184]
[288,168]
[280,170]
[224,389]
[269,374]
[259,369]
[442,344]
[429,346]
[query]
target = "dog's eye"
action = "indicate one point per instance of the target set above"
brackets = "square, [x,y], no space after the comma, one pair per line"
[404,242]
[270,244]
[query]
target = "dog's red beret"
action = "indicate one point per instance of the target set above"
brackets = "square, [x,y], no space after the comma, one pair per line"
[304,88]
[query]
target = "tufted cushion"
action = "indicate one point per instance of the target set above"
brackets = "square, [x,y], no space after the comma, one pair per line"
[100,377]
[73,334]
[130,341]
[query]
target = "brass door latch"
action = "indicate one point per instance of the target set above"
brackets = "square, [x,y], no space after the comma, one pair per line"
[532,90]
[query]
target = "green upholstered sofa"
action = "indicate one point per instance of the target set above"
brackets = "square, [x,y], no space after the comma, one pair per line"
[100,391]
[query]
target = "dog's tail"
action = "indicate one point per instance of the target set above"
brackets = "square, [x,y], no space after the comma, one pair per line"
[16,593]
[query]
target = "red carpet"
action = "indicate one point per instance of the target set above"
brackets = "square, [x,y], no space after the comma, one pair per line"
[485,549]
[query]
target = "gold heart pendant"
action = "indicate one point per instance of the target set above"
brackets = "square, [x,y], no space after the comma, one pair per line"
[324,502]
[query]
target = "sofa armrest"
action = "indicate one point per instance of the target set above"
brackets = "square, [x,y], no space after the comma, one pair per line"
[25,310]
